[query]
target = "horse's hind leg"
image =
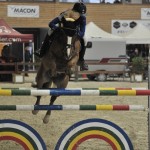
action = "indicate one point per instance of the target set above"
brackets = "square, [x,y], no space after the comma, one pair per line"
[48,113]
[60,82]
[34,112]
[39,85]
[46,85]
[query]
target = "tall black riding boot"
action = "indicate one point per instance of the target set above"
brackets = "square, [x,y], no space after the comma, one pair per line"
[81,62]
[44,47]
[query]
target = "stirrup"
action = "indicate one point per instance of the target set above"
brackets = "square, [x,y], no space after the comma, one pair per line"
[38,53]
[83,65]
[79,63]
[34,85]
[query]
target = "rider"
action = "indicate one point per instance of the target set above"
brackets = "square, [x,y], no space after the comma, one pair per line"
[80,22]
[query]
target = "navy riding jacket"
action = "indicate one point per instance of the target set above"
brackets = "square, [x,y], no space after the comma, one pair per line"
[80,23]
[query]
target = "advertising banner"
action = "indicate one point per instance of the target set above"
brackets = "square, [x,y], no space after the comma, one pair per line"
[23,11]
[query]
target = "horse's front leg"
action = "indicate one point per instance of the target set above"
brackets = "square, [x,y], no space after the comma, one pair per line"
[48,113]
[73,61]
[50,66]
[34,112]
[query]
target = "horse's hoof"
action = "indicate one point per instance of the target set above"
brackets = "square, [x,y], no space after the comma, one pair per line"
[34,112]
[46,119]
[34,85]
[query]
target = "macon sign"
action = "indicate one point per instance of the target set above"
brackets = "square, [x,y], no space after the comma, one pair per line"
[23,11]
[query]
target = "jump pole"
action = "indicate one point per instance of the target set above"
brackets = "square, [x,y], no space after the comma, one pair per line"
[73,107]
[62,92]
[149,99]
[99,88]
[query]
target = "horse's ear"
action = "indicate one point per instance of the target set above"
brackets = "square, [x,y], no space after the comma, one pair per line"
[89,45]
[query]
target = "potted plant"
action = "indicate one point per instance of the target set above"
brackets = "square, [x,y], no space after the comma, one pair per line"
[137,69]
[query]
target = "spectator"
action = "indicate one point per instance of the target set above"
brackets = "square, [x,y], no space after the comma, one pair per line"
[6,53]
[117,2]
[5,58]
[135,53]
[103,1]
[27,59]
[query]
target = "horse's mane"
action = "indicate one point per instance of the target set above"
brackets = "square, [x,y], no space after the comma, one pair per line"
[59,43]
[59,33]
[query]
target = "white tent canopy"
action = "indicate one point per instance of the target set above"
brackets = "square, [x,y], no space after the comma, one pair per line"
[139,35]
[104,44]
[94,33]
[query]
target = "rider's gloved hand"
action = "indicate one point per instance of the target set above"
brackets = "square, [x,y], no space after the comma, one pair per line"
[54,28]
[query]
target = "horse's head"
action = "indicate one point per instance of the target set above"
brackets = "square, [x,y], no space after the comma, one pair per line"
[67,40]
[72,48]
[73,44]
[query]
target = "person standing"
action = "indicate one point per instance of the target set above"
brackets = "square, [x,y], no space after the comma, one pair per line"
[27,59]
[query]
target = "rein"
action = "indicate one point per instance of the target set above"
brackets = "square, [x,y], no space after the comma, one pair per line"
[70,46]
[69,28]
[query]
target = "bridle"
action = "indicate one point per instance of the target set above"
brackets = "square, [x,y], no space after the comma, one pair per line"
[70,51]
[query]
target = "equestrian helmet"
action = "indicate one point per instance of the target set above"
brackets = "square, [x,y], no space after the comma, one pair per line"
[80,8]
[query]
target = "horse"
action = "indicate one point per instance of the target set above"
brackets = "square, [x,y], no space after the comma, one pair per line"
[56,64]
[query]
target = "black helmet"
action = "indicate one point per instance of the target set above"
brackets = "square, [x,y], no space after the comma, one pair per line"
[80,8]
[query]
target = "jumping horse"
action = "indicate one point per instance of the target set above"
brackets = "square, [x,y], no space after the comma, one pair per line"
[56,64]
